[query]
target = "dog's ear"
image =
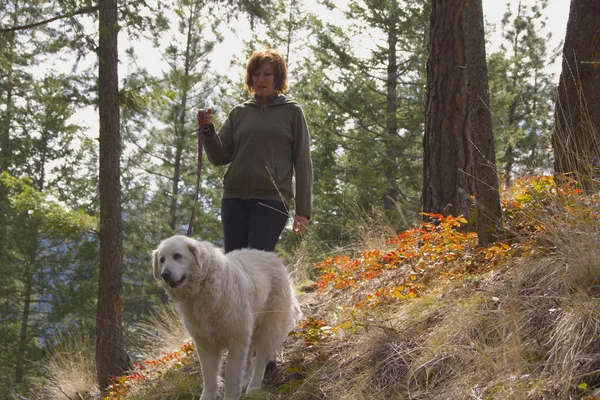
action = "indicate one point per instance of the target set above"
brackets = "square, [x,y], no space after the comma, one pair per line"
[195,251]
[155,265]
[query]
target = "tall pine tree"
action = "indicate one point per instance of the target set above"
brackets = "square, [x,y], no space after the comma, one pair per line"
[376,88]
[523,91]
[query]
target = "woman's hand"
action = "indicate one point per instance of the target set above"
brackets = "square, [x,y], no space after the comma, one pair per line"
[300,224]
[207,120]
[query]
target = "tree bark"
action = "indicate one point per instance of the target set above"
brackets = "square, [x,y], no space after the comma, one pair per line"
[391,125]
[111,358]
[5,128]
[23,333]
[447,158]
[487,194]
[6,122]
[576,137]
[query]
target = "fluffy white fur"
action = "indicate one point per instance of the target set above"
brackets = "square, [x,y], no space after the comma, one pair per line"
[242,302]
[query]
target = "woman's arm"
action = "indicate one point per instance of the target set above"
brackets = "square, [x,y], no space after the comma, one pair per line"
[219,147]
[302,167]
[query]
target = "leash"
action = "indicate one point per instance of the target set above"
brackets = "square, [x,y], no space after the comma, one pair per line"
[200,133]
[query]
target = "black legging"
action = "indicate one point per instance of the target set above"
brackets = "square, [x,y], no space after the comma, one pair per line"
[252,223]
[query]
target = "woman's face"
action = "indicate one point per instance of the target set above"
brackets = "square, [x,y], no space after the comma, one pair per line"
[263,80]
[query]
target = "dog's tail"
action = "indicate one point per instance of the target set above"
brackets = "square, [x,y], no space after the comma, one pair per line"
[298,315]
[296,310]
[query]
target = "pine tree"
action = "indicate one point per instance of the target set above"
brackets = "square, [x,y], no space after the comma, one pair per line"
[377,92]
[111,358]
[36,142]
[523,92]
[111,232]
[161,165]
[34,240]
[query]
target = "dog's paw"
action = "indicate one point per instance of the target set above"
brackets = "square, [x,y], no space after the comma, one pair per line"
[208,396]
[251,389]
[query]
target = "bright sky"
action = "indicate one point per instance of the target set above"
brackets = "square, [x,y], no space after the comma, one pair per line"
[557,12]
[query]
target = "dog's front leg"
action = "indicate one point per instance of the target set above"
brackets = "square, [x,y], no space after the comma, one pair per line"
[238,353]
[210,361]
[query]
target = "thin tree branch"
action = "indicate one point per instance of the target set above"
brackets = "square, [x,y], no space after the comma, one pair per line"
[86,10]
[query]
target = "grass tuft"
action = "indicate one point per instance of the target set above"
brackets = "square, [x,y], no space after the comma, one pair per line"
[160,333]
[71,369]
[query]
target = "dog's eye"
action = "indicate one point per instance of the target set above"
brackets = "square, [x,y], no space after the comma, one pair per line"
[176,256]
[162,260]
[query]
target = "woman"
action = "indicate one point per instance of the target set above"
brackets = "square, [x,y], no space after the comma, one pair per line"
[265,141]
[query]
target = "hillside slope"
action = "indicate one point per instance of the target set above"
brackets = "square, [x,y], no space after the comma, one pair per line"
[427,315]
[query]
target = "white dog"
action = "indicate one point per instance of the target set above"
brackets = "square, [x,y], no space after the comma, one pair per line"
[242,301]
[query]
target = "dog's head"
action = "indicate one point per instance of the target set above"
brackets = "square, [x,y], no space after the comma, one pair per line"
[175,261]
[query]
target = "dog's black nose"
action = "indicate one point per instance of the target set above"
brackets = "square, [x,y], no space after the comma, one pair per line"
[166,276]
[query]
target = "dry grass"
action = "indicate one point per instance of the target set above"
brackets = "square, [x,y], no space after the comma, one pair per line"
[161,333]
[575,139]
[71,369]
[526,330]
[180,384]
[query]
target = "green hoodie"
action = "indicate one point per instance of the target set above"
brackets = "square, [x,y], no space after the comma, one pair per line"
[266,145]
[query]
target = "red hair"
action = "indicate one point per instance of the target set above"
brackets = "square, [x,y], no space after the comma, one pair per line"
[279,69]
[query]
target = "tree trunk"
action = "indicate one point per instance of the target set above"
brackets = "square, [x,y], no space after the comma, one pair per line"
[8,72]
[447,159]
[290,30]
[487,194]
[23,334]
[179,122]
[111,359]
[5,141]
[509,155]
[175,185]
[5,145]
[32,249]
[576,138]
[509,160]
[389,200]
